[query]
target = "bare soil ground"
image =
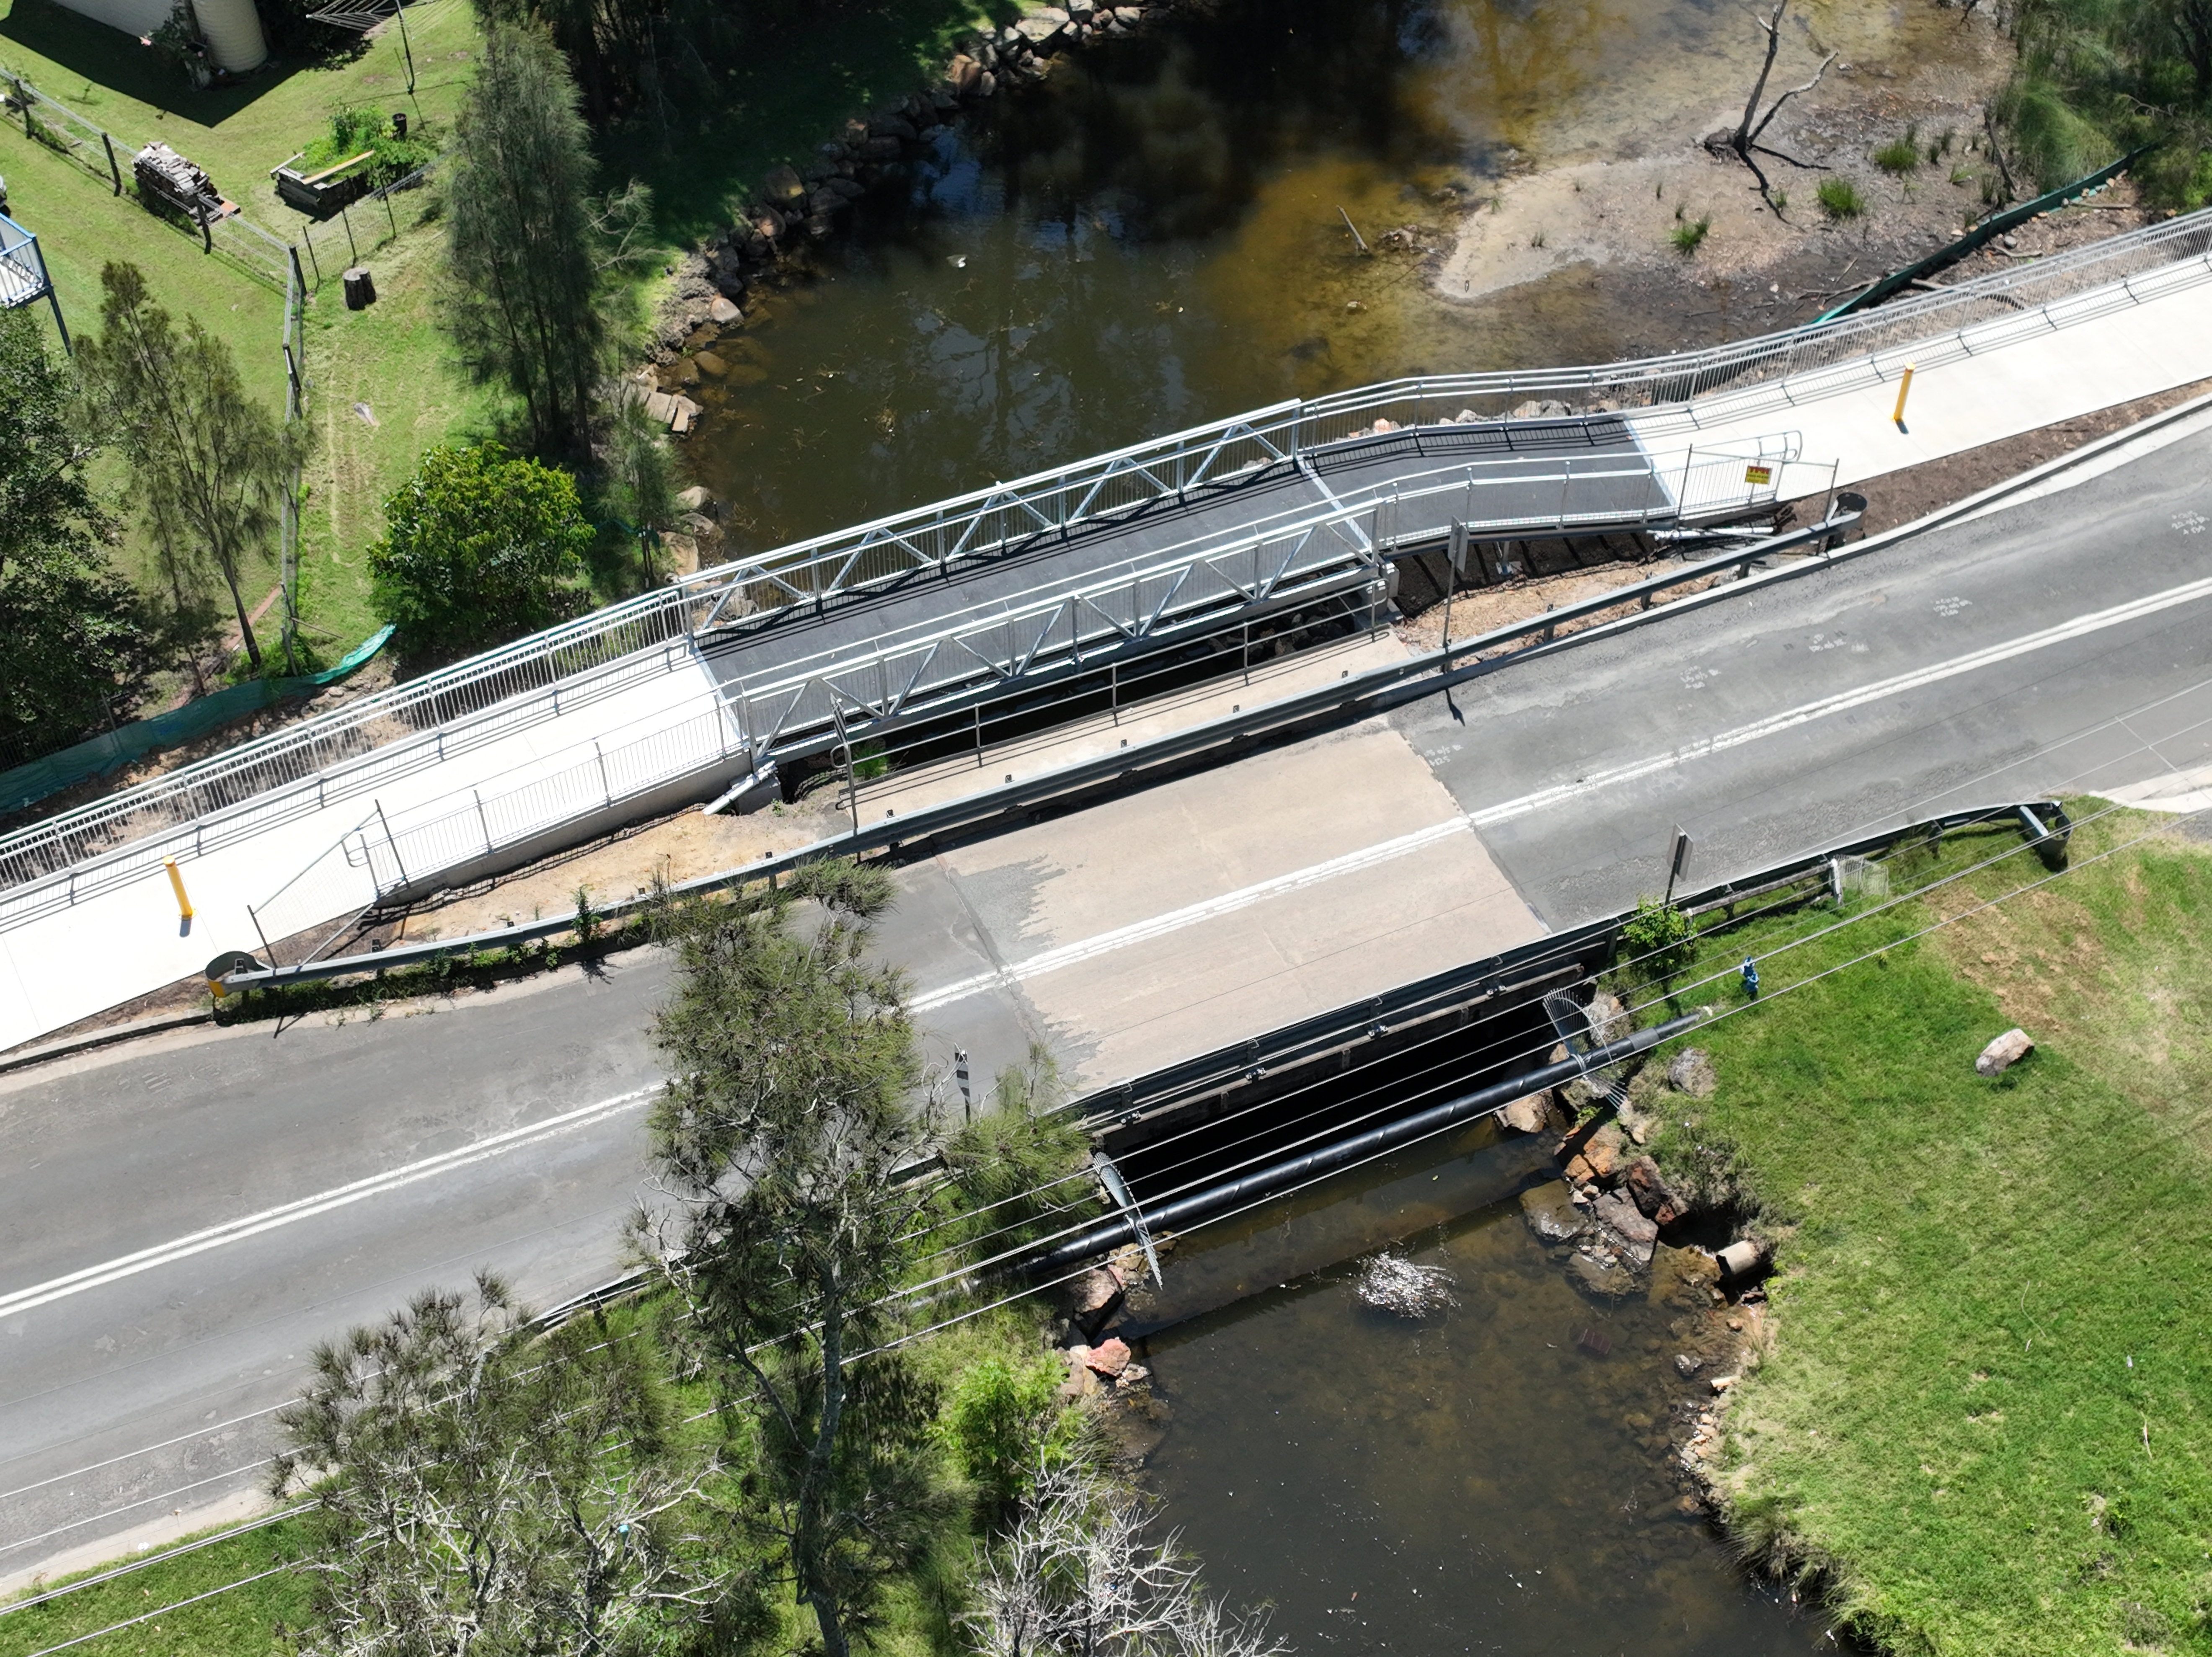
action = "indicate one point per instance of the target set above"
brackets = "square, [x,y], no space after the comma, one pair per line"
[1601,211]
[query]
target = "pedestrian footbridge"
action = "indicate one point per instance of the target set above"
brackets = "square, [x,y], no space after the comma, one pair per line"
[1092,585]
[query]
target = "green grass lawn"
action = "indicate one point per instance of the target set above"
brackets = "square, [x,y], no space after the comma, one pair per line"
[388,359]
[1987,1411]
[383,385]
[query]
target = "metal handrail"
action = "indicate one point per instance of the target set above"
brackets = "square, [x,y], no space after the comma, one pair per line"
[2121,271]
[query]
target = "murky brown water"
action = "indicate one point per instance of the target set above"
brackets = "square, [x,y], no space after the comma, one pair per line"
[1151,239]
[1477,1481]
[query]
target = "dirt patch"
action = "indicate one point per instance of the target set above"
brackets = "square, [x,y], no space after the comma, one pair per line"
[1612,197]
[683,846]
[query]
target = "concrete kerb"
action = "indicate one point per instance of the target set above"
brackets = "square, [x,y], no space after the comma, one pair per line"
[1373,692]
[22,1059]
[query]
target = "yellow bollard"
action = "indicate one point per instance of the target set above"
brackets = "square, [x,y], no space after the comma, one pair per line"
[1904,385]
[177,883]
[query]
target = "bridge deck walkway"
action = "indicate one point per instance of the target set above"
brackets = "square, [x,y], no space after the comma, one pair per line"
[76,963]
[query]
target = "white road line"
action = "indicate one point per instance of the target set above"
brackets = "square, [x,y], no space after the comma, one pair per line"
[1086,949]
[252,1225]
[1104,943]
[1842,702]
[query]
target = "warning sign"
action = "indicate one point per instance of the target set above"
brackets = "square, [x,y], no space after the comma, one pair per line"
[1758,474]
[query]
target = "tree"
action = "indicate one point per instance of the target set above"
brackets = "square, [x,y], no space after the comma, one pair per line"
[78,640]
[1077,1578]
[479,547]
[641,483]
[522,303]
[483,1490]
[210,465]
[788,1112]
[1745,139]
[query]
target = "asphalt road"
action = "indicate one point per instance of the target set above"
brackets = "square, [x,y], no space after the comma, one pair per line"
[181,1221]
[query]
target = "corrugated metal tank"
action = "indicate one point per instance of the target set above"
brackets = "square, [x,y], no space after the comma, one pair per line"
[233,33]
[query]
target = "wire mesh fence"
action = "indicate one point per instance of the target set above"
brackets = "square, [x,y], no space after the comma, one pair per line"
[65,131]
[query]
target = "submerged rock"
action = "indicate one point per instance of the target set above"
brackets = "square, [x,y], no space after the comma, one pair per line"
[1551,1212]
[1599,1275]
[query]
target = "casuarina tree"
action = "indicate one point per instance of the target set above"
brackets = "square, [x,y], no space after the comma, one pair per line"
[483,1488]
[789,1112]
[522,299]
[209,463]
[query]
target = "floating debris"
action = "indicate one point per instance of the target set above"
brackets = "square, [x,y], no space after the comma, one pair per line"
[1396,1284]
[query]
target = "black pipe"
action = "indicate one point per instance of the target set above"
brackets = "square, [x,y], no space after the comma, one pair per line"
[1327,1159]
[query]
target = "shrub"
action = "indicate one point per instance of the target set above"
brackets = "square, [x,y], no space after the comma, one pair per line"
[1840,199]
[1659,936]
[479,547]
[999,1418]
[1689,235]
[353,131]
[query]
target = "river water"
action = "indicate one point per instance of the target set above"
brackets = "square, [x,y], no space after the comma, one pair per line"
[1150,239]
[1497,1478]
[1154,237]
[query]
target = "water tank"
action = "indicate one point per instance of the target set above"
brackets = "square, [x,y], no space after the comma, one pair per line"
[232,29]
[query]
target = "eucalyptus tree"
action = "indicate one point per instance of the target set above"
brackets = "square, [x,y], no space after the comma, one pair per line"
[209,465]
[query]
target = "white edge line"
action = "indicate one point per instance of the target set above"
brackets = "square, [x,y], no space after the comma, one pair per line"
[1139,931]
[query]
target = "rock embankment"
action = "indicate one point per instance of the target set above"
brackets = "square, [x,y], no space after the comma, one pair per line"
[794,207]
[1621,1227]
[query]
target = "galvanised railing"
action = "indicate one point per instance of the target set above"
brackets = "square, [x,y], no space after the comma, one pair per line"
[952,662]
[1778,369]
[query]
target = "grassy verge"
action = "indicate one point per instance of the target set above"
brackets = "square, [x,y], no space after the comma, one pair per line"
[1985,1412]
[245,1622]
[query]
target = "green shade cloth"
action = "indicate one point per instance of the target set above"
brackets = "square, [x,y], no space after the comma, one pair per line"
[27,785]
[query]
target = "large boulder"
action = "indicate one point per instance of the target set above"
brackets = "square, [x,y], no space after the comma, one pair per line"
[782,186]
[1598,1157]
[1530,1113]
[1042,29]
[962,74]
[1691,1072]
[1626,1221]
[2002,1054]
[1651,1194]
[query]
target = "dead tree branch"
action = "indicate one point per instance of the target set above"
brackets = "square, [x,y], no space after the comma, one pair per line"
[1745,139]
